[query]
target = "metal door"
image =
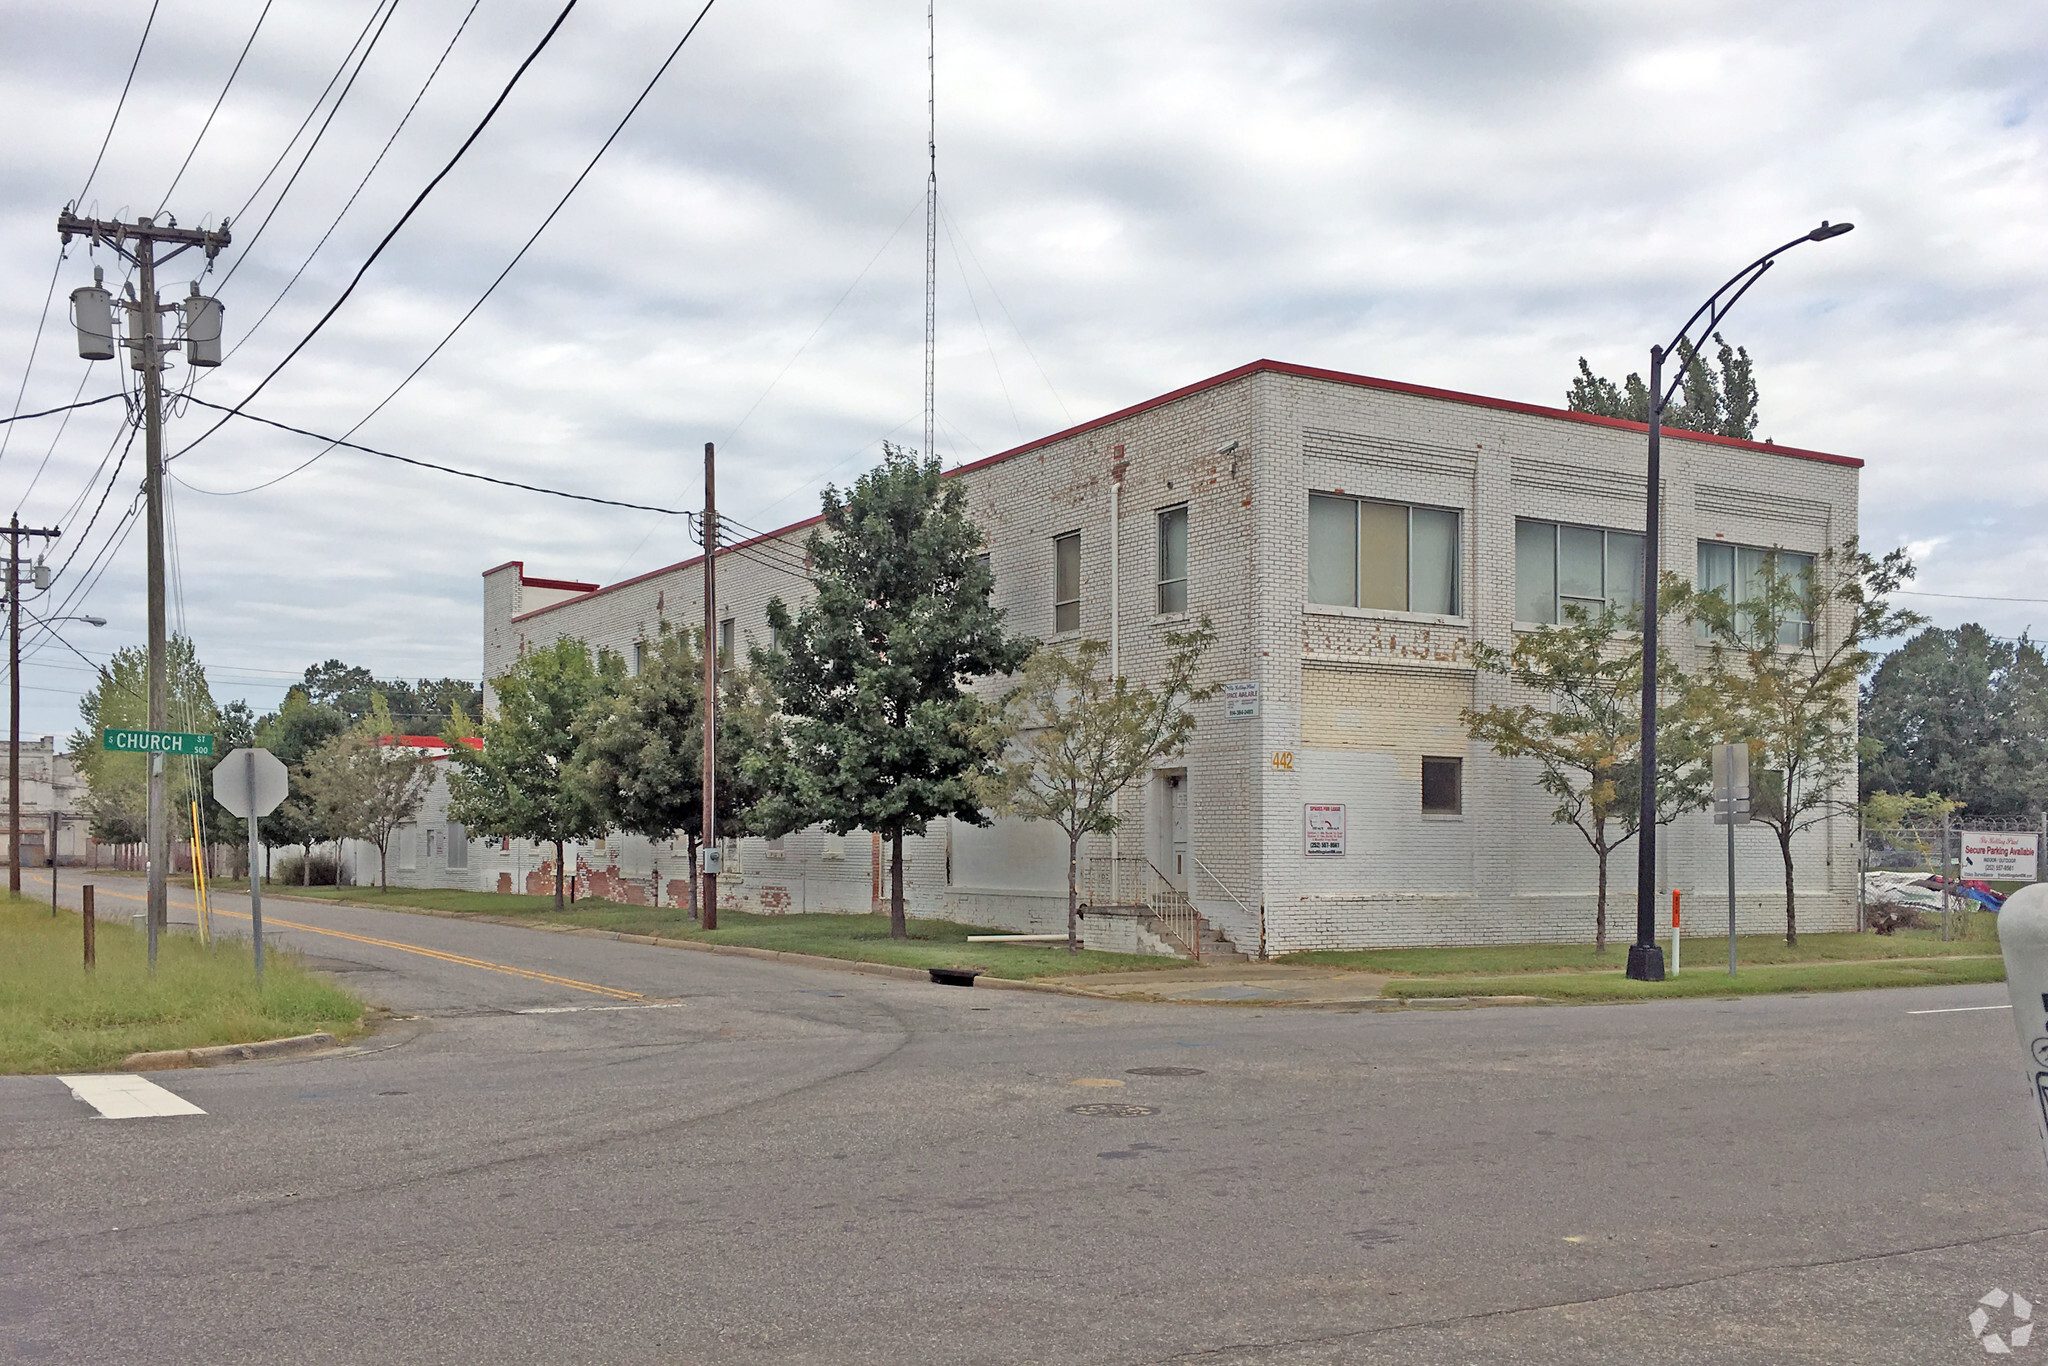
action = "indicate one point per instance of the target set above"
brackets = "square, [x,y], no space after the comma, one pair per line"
[1177,807]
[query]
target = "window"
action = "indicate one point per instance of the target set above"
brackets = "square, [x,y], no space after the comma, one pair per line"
[408,848]
[1559,567]
[1173,559]
[1443,787]
[1066,582]
[725,631]
[1739,572]
[639,656]
[1385,555]
[458,845]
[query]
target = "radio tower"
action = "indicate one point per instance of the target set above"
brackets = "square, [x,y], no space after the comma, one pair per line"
[931,235]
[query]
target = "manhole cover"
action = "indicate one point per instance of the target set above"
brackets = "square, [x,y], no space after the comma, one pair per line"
[1111,1109]
[1164,1071]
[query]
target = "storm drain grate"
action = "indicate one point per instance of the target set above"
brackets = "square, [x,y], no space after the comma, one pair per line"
[1112,1109]
[1164,1071]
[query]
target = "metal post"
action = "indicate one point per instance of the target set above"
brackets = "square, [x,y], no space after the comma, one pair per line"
[91,949]
[1731,898]
[708,915]
[53,847]
[14,705]
[151,356]
[255,882]
[1645,958]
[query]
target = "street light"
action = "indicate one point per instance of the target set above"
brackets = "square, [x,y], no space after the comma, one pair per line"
[1645,956]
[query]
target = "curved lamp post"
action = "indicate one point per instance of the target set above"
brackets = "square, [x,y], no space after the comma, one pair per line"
[1645,956]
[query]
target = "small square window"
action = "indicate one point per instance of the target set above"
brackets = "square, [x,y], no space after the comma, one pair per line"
[1066,583]
[1443,787]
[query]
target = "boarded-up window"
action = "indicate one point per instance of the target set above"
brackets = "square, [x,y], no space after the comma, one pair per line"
[458,845]
[1443,786]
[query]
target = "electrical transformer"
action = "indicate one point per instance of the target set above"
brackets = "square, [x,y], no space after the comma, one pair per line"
[92,309]
[202,329]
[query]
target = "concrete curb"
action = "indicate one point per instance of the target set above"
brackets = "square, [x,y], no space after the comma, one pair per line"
[229,1052]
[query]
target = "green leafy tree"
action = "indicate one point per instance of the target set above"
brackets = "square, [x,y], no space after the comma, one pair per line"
[878,730]
[1781,673]
[1720,404]
[117,799]
[1961,712]
[1584,731]
[294,732]
[352,690]
[521,784]
[1073,738]
[364,788]
[641,762]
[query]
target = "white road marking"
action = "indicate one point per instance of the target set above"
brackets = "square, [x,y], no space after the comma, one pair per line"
[591,1010]
[124,1096]
[1956,1010]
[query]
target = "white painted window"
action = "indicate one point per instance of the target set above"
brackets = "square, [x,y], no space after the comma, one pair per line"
[408,848]
[1066,583]
[1173,559]
[1559,567]
[1391,556]
[458,845]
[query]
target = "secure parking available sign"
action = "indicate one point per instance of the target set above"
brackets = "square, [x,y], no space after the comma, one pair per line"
[2001,856]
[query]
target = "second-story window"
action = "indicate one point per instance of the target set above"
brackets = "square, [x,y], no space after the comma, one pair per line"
[1740,574]
[1173,559]
[1391,556]
[1559,567]
[1066,582]
[639,657]
[725,636]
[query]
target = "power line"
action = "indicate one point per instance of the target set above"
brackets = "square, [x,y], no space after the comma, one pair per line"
[236,71]
[312,146]
[119,104]
[354,195]
[520,255]
[34,346]
[333,441]
[1963,597]
[48,412]
[397,227]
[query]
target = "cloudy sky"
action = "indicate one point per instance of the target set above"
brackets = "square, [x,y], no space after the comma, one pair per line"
[1466,193]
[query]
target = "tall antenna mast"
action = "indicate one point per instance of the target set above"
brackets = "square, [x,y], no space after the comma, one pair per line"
[931,234]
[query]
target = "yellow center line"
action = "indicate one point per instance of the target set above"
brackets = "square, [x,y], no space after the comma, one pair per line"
[616,993]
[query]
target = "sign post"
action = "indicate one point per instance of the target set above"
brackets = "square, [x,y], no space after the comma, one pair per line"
[1731,808]
[251,783]
[2023,938]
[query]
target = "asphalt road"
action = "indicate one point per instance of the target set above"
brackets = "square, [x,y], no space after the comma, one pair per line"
[666,1156]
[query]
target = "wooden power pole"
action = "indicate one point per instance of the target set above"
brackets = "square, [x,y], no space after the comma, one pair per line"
[709,843]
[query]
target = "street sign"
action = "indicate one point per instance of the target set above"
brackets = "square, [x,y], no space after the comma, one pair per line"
[155,742]
[250,782]
[1731,784]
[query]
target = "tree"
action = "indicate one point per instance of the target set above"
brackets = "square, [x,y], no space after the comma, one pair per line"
[520,785]
[294,732]
[641,762]
[878,731]
[364,786]
[1720,405]
[1586,736]
[1073,739]
[1961,712]
[117,797]
[351,690]
[1781,673]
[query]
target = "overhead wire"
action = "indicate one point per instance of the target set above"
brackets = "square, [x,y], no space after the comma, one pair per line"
[354,194]
[119,105]
[233,72]
[249,244]
[403,219]
[953,240]
[50,412]
[35,345]
[520,255]
[997,295]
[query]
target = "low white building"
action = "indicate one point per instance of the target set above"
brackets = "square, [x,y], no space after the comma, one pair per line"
[52,797]
[1350,539]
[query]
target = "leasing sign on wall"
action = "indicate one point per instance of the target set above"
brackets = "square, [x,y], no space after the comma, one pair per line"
[1323,830]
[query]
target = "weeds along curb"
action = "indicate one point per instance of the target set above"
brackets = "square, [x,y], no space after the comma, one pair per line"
[229,1052]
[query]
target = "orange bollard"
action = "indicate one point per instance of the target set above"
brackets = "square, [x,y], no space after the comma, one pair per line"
[1674,931]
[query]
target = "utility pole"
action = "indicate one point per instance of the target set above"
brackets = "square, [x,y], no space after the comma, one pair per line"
[708,916]
[931,232]
[138,242]
[15,531]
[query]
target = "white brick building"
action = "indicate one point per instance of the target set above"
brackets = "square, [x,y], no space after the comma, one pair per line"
[1349,538]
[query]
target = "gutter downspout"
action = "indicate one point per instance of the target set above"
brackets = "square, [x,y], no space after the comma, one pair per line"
[1116,525]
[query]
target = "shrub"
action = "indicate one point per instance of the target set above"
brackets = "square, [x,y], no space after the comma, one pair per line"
[328,871]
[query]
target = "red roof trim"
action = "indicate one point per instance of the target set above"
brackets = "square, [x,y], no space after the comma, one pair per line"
[572,585]
[475,742]
[1275,367]
[593,590]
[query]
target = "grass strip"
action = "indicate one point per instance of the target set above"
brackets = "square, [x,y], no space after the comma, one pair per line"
[57,1017]
[1752,950]
[1759,981]
[861,938]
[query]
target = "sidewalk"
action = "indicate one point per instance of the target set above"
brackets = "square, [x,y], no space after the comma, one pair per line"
[1239,984]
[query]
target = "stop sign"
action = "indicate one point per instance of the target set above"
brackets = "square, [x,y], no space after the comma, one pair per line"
[250,782]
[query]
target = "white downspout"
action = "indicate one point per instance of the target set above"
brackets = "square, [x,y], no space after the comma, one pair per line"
[1116,526]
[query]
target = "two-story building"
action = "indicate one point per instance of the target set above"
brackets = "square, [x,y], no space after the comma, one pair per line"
[1350,539]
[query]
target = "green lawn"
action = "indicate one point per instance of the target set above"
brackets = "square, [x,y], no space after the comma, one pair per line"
[1751,950]
[56,1017]
[933,943]
[1709,980]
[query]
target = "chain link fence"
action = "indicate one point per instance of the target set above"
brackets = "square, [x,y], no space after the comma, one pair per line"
[1911,872]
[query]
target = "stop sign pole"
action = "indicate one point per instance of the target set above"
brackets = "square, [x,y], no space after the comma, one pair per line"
[251,783]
